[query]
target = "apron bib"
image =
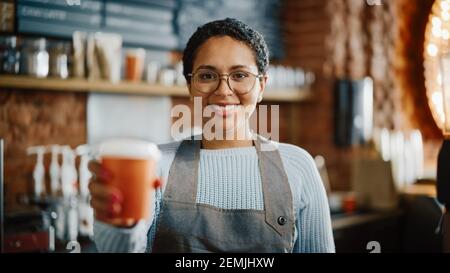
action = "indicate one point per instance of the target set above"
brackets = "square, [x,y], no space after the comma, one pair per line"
[185,226]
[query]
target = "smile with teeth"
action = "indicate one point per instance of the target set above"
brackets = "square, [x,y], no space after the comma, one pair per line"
[224,110]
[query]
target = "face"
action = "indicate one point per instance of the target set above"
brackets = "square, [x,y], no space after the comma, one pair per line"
[224,55]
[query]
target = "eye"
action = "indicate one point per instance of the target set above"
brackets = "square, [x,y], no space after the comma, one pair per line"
[239,76]
[207,76]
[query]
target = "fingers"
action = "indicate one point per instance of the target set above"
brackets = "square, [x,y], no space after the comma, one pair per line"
[106,210]
[106,200]
[104,192]
[99,172]
[94,166]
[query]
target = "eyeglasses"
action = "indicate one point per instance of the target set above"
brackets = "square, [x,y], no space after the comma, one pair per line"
[207,81]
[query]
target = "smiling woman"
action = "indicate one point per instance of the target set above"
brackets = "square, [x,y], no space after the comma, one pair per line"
[224,194]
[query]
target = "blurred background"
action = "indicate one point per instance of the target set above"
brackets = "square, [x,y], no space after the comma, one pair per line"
[360,84]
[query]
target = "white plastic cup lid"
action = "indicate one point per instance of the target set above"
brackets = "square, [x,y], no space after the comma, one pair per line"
[129,148]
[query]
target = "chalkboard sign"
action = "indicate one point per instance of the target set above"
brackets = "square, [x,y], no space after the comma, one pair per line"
[143,23]
[164,24]
[262,15]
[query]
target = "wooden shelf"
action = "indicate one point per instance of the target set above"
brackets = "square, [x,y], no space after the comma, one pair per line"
[124,87]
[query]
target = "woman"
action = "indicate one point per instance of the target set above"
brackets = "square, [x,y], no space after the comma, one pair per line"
[224,194]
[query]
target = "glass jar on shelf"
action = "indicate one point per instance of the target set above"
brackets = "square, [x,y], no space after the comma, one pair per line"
[60,60]
[35,58]
[9,56]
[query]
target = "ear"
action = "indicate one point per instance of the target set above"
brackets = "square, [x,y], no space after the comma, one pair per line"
[262,83]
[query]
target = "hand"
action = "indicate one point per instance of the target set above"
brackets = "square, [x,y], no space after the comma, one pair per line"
[106,200]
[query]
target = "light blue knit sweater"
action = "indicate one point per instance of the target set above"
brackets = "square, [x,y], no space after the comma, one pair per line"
[230,179]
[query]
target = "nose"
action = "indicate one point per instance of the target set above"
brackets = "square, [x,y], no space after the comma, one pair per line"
[223,88]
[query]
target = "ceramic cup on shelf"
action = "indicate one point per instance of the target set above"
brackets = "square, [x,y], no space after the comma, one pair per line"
[134,64]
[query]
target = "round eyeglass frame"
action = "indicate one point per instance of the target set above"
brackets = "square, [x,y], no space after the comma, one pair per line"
[227,75]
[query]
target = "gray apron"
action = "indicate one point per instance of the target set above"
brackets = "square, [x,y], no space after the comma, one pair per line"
[185,226]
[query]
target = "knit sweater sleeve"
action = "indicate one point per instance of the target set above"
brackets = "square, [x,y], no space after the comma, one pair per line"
[313,223]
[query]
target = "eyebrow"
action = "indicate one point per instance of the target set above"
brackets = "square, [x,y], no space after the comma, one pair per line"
[231,68]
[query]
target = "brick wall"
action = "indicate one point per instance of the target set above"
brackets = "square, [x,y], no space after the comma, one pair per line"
[30,118]
[308,39]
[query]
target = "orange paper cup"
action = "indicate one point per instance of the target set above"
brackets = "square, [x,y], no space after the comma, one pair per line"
[134,64]
[132,164]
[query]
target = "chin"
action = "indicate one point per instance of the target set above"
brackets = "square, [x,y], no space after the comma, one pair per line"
[235,126]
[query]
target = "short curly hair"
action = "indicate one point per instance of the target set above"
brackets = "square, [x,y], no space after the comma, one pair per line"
[227,27]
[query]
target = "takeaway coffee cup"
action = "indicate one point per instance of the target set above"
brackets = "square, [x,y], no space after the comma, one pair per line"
[132,164]
[134,64]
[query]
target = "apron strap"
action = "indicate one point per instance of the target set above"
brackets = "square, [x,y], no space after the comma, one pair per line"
[278,207]
[186,161]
